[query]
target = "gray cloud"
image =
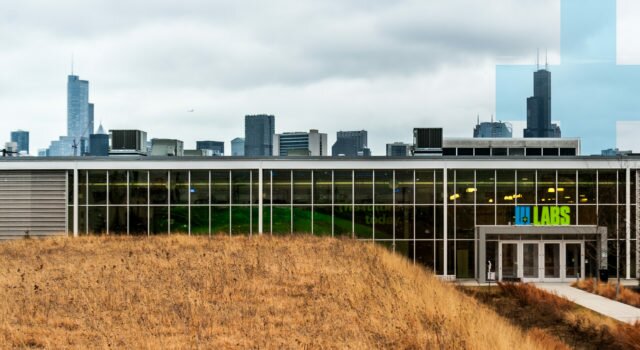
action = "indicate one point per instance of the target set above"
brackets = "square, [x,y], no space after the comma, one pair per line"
[347,64]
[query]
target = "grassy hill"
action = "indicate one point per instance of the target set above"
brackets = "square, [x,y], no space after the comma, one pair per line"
[239,292]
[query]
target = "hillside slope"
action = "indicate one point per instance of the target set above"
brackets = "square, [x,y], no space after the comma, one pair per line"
[178,291]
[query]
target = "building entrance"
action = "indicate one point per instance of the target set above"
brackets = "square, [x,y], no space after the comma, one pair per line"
[540,261]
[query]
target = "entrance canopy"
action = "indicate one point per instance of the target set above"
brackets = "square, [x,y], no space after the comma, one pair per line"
[509,231]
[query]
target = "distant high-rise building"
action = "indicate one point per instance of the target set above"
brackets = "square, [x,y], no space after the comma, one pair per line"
[99,143]
[216,147]
[237,147]
[350,144]
[79,112]
[21,138]
[492,130]
[398,149]
[310,143]
[258,135]
[539,108]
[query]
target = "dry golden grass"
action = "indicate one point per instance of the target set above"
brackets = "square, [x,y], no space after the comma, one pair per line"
[608,290]
[240,292]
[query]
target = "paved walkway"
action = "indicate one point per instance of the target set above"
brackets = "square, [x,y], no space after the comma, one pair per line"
[617,310]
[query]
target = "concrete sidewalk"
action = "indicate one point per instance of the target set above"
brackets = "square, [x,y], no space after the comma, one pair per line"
[614,309]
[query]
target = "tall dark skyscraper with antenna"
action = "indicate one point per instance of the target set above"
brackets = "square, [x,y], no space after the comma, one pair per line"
[539,107]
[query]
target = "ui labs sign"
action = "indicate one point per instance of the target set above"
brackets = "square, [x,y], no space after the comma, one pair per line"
[543,215]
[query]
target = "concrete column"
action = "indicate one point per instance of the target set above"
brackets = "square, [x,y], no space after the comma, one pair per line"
[445,222]
[260,205]
[627,221]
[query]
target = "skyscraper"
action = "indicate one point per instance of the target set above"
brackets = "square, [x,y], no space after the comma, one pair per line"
[79,112]
[237,147]
[350,144]
[492,129]
[258,135]
[310,143]
[21,138]
[539,107]
[99,143]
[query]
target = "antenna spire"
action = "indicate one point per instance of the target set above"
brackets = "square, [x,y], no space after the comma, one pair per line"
[538,60]
[546,59]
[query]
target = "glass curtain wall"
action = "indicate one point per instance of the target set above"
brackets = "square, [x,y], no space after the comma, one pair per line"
[402,209]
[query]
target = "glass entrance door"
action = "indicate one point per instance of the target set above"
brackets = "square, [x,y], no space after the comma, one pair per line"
[552,261]
[530,261]
[573,260]
[508,261]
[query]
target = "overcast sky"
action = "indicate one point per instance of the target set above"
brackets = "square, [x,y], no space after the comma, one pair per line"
[383,66]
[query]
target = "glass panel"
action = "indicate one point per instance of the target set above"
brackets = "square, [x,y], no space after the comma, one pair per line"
[424,187]
[439,257]
[566,186]
[363,187]
[302,219]
[200,188]
[138,187]
[343,220]
[322,187]
[70,192]
[158,187]
[425,222]
[465,188]
[439,222]
[546,187]
[404,222]
[383,222]
[179,219]
[97,220]
[200,219]
[587,186]
[505,214]
[607,216]
[404,187]
[281,220]
[425,253]
[485,215]
[117,188]
[607,187]
[322,220]
[220,188]
[526,187]
[82,188]
[158,218]
[530,260]
[241,218]
[465,227]
[266,219]
[573,260]
[383,187]
[118,220]
[97,187]
[220,220]
[240,188]
[179,187]
[343,186]
[266,189]
[138,220]
[485,184]
[509,260]
[464,259]
[439,184]
[82,220]
[405,248]
[255,187]
[302,187]
[506,187]
[363,220]
[281,186]
[552,260]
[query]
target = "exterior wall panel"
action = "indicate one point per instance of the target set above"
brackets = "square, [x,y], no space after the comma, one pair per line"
[32,203]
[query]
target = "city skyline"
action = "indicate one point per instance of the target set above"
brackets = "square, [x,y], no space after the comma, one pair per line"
[385,63]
